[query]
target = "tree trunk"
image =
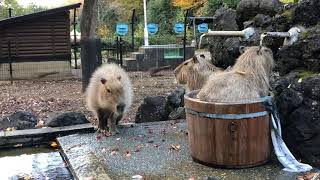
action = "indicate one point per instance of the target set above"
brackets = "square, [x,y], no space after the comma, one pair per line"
[88,21]
[90,58]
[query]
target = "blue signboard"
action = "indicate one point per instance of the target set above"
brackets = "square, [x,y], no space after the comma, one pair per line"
[202,28]
[178,28]
[152,28]
[122,29]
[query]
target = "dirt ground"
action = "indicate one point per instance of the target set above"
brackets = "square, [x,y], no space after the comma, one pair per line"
[46,99]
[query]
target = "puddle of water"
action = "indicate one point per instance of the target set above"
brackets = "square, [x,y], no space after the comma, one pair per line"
[32,163]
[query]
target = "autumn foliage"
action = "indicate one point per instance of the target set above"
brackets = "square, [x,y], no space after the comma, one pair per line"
[186,4]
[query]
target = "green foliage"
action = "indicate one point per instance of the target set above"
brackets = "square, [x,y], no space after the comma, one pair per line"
[306,74]
[163,13]
[17,10]
[213,5]
[289,1]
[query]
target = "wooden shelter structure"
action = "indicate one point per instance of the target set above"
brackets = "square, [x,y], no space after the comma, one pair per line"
[38,37]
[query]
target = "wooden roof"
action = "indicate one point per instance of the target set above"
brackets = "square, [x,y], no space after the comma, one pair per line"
[37,14]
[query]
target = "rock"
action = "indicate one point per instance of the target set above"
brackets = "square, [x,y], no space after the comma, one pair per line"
[299,109]
[311,88]
[307,13]
[225,19]
[152,109]
[175,99]
[224,50]
[248,9]
[283,22]
[178,113]
[174,104]
[261,20]
[67,119]
[19,120]
[304,54]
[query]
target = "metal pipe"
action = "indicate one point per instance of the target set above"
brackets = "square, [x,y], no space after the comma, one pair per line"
[185,35]
[10,12]
[290,37]
[132,28]
[246,34]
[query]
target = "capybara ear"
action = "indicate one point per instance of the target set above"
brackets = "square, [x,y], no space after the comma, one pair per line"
[119,78]
[195,59]
[103,81]
[242,49]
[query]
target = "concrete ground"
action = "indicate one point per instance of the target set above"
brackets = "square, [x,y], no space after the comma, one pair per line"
[155,151]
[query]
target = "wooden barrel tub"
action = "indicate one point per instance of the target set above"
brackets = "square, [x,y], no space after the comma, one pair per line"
[227,135]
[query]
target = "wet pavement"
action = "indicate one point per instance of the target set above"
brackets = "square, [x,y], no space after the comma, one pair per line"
[156,150]
[32,163]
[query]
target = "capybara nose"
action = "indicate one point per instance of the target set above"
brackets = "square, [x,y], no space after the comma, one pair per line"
[120,108]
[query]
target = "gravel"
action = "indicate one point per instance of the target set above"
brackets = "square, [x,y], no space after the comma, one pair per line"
[46,99]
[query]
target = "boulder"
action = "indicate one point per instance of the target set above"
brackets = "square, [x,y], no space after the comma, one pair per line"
[248,9]
[304,54]
[178,113]
[152,109]
[67,119]
[175,104]
[175,99]
[225,19]
[307,13]
[261,20]
[19,120]
[298,102]
[224,50]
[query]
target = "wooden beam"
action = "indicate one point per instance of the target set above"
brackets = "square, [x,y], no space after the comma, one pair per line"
[31,137]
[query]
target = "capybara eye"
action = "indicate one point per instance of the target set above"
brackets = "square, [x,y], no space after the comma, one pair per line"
[119,78]
[103,81]
[186,64]
[108,90]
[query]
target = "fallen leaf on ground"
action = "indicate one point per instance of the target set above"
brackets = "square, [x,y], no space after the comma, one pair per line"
[175,147]
[104,150]
[54,144]
[127,153]
[114,151]
[98,138]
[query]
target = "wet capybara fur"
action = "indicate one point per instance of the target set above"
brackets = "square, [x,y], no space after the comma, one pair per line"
[194,72]
[247,80]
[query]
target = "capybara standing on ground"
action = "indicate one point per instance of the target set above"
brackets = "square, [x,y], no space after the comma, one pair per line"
[109,95]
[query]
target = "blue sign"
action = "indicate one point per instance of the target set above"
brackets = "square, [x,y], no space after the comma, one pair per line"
[202,28]
[152,28]
[122,29]
[178,28]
